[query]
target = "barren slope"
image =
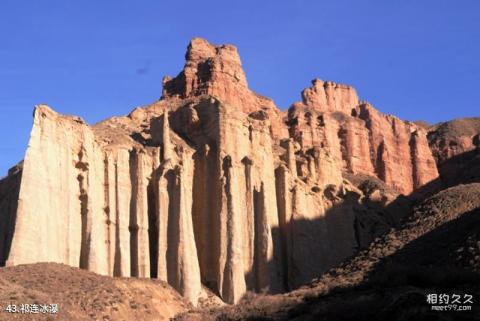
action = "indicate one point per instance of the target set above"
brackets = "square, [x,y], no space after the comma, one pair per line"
[83,295]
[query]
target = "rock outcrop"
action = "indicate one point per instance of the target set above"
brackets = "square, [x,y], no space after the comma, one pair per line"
[456,147]
[213,184]
[361,139]
[453,138]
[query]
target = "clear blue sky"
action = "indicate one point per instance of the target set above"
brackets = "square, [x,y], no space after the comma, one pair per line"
[416,59]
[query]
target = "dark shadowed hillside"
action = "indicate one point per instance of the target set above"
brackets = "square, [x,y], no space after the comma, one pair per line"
[437,250]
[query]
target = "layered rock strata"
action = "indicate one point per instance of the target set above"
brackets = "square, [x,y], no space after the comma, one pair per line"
[361,139]
[213,184]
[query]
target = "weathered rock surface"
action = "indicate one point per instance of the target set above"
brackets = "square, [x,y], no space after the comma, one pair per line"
[360,139]
[453,138]
[213,184]
[456,148]
[217,71]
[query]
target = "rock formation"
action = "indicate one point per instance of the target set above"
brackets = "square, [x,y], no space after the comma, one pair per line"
[212,184]
[361,139]
[453,138]
[456,147]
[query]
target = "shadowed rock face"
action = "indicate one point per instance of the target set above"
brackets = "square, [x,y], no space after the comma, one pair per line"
[209,184]
[434,250]
[456,147]
[9,190]
[453,138]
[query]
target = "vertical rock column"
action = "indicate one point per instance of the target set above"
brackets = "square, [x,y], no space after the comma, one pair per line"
[291,162]
[423,163]
[187,274]
[177,252]
[249,225]
[268,261]
[92,195]
[166,142]
[123,194]
[164,194]
[140,251]
[110,209]
[201,209]
[234,286]
[284,205]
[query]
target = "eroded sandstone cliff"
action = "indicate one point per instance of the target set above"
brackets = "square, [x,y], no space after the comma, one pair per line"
[213,184]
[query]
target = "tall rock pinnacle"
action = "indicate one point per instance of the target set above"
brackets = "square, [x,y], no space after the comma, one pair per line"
[209,70]
[217,71]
